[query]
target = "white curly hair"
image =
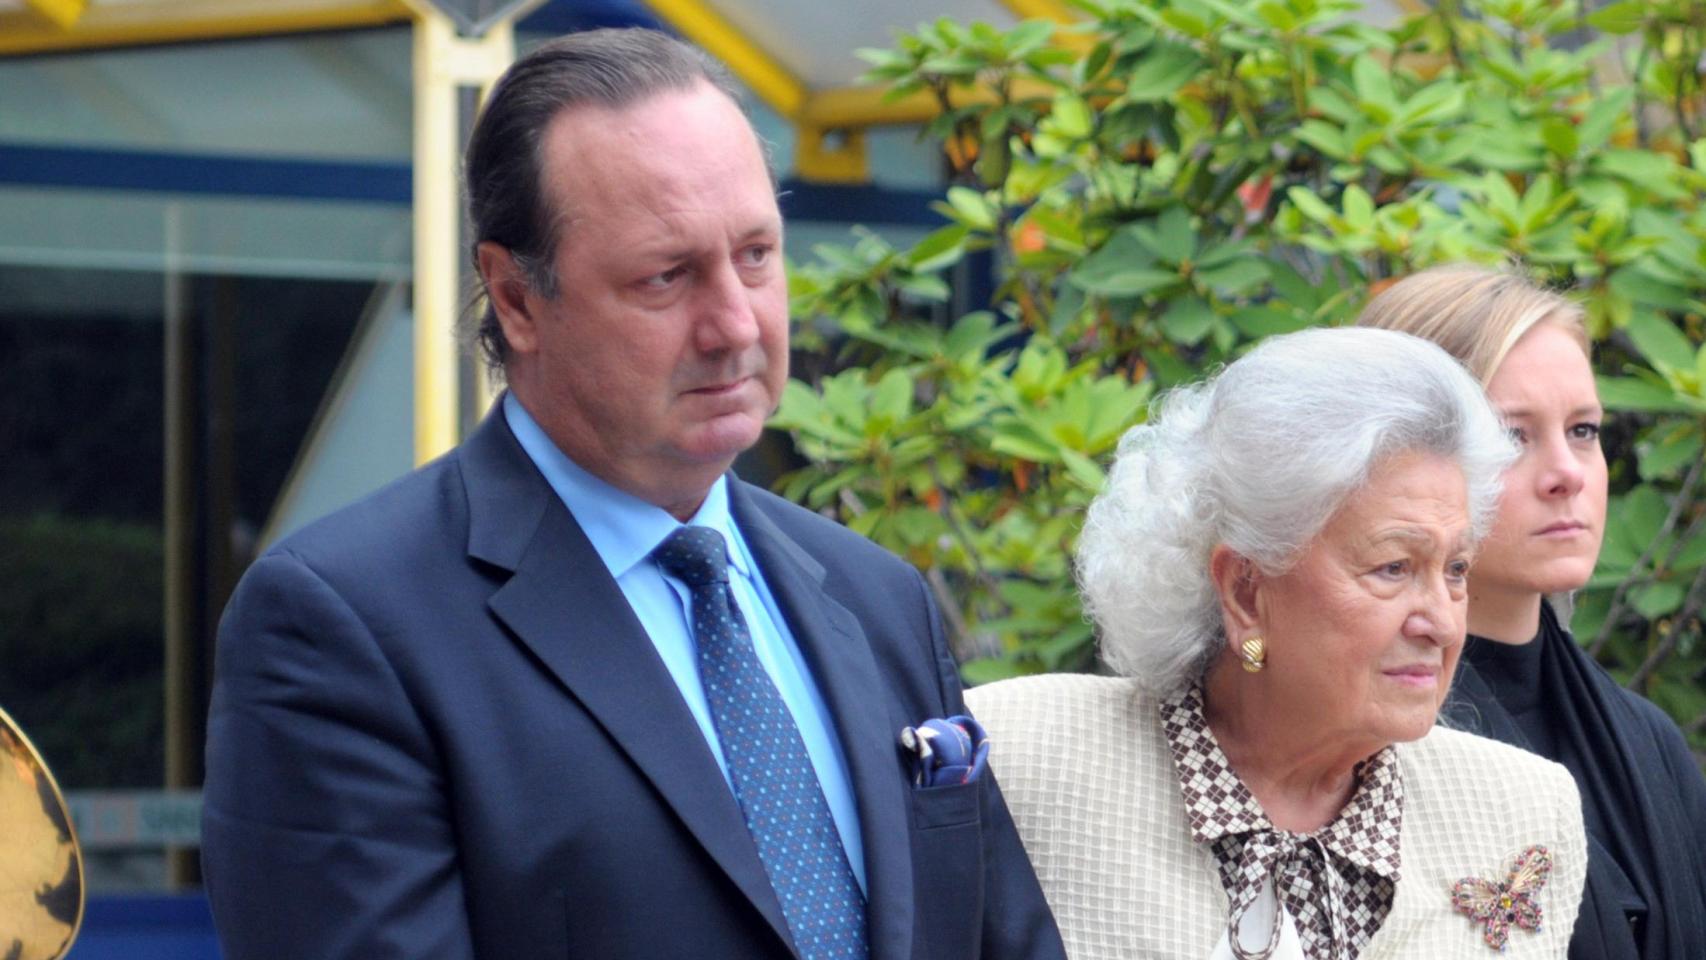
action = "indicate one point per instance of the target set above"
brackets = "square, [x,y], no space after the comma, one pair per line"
[1259,458]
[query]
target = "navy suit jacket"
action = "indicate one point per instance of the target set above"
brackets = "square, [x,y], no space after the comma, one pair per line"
[438,730]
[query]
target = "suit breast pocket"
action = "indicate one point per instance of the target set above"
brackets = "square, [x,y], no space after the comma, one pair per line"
[947,856]
[939,807]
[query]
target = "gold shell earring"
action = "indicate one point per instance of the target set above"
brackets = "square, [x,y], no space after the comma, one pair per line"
[1253,655]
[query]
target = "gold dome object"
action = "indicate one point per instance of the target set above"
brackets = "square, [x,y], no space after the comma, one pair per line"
[1253,655]
[41,866]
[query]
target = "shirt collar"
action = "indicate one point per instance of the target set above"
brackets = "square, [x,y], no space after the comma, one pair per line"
[622,528]
[1218,804]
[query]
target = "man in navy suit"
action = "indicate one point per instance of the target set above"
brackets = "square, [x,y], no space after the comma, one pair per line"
[474,715]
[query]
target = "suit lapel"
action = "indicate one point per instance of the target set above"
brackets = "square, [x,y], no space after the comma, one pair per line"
[845,671]
[563,606]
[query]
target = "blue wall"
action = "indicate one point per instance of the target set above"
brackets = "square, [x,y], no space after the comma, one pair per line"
[146,928]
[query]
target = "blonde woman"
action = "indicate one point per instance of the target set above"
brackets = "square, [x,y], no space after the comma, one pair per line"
[1523,678]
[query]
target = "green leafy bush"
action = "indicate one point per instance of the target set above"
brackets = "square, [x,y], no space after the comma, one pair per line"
[1173,180]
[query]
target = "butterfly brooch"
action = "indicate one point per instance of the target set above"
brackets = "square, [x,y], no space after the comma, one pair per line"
[1514,902]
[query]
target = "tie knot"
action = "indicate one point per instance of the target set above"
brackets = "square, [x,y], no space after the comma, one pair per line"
[696,555]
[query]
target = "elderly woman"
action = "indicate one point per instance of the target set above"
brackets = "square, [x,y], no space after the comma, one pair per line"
[1277,569]
[1523,679]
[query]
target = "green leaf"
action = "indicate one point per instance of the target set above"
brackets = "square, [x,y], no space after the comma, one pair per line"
[972,207]
[799,403]
[1187,321]
[1679,446]
[1267,321]
[1560,137]
[973,334]
[1186,23]
[1124,282]
[1359,207]
[1642,514]
[1591,608]
[1115,405]
[879,57]
[1237,276]
[1311,205]
[1170,237]
[1028,36]
[1373,85]
[1084,470]
[926,287]
[844,398]
[955,64]
[1639,286]
[1303,294]
[1235,12]
[1620,18]
[1691,557]
[1660,341]
[1628,393]
[1014,439]
[1121,269]
[1644,170]
[1434,103]
[1604,117]
[1071,117]
[1324,137]
[1277,15]
[893,396]
[1654,600]
[1163,69]
[988,670]
[864,523]
[942,248]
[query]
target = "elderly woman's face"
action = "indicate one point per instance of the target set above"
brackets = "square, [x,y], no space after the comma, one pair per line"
[1364,633]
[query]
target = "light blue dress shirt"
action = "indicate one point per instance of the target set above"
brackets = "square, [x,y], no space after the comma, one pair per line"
[624,530]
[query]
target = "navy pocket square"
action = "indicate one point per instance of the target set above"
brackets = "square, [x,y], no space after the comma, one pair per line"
[946,752]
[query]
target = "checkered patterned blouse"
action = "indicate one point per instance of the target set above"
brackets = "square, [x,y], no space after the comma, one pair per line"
[1337,883]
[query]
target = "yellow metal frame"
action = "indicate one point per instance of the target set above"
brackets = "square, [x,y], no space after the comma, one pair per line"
[63,14]
[1041,9]
[831,143]
[703,25]
[850,107]
[831,140]
[831,154]
[35,30]
[443,63]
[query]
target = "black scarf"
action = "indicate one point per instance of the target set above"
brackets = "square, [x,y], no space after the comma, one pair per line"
[1643,795]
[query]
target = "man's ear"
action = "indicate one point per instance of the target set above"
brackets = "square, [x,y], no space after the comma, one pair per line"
[1236,580]
[507,290]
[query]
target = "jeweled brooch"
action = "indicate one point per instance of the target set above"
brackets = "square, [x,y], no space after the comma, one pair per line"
[1514,902]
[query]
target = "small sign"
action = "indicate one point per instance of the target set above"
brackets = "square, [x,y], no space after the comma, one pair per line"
[474,17]
[121,819]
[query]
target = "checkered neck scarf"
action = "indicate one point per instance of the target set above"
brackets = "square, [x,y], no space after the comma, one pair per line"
[1337,883]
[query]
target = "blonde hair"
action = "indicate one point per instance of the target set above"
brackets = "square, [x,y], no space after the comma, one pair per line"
[1477,314]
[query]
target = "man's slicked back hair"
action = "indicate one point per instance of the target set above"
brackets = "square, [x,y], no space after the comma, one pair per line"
[507,201]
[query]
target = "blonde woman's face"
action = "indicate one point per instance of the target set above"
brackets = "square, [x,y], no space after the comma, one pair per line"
[1552,514]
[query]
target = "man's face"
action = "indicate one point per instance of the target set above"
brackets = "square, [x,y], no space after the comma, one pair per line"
[666,347]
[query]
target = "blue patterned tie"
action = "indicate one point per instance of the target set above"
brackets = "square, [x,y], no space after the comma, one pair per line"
[772,775]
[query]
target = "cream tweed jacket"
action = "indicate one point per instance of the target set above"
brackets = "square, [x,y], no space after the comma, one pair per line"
[1086,771]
